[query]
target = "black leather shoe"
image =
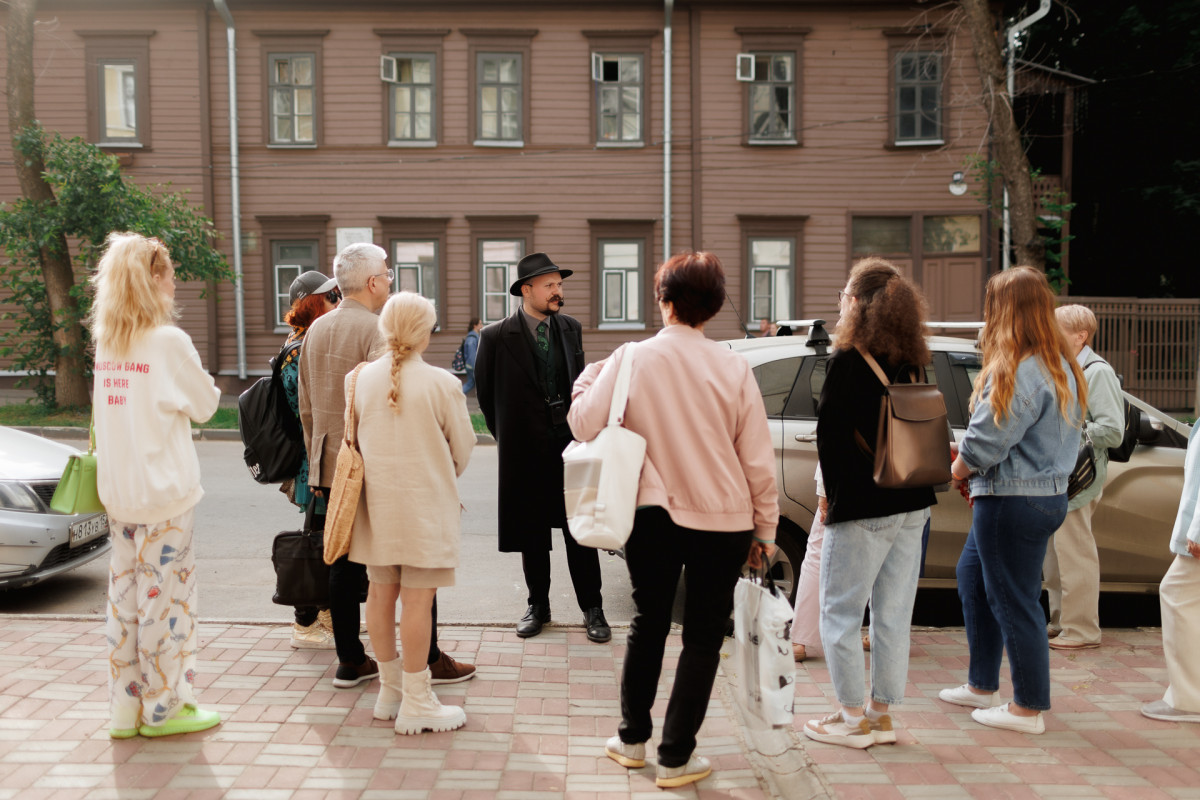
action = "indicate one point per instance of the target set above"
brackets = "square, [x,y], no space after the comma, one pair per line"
[531,624]
[597,625]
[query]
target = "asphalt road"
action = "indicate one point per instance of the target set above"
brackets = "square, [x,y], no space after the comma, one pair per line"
[238,519]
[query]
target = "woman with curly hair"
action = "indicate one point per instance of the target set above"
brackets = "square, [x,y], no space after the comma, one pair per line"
[416,438]
[1021,444]
[872,548]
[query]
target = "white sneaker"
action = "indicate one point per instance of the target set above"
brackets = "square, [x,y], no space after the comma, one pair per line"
[311,637]
[835,730]
[963,696]
[1160,710]
[630,756]
[697,768]
[1001,717]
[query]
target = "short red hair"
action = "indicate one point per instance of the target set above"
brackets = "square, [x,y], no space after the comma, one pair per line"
[305,310]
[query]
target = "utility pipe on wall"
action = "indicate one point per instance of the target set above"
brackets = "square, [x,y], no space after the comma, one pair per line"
[1010,59]
[668,6]
[239,299]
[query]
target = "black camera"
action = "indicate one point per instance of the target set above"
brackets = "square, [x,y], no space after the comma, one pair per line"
[558,411]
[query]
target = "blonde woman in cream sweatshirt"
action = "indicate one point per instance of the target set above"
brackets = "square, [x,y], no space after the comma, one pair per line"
[149,384]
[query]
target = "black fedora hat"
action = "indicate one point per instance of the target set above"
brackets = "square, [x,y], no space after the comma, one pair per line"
[533,265]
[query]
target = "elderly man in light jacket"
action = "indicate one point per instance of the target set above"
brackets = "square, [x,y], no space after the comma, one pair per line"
[1072,566]
[336,343]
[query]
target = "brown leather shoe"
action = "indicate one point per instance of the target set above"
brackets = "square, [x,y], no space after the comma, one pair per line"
[447,670]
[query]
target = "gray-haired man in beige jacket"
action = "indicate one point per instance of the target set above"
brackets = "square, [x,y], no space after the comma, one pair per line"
[336,343]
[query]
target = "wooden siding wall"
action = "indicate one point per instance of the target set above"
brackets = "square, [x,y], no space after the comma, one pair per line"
[843,166]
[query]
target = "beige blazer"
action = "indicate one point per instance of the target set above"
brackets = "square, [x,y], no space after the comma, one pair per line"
[409,511]
[335,344]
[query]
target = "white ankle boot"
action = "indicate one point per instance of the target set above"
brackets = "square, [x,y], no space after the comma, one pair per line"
[387,705]
[420,709]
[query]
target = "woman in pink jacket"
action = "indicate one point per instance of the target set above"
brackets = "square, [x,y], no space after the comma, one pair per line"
[707,502]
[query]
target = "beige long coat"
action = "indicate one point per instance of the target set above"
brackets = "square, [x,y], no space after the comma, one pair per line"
[409,510]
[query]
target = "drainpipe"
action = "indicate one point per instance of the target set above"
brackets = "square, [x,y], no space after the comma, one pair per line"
[239,299]
[1011,57]
[668,6]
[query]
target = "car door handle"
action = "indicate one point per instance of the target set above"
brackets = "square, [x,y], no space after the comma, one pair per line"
[806,437]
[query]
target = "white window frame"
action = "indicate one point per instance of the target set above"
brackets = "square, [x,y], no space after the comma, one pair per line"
[389,72]
[481,85]
[626,275]
[789,136]
[282,291]
[511,302]
[599,58]
[781,307]
[273,86]
[428,275]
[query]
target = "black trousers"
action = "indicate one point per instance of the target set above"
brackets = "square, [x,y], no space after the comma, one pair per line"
[657,551]
[583,563]
[346,581]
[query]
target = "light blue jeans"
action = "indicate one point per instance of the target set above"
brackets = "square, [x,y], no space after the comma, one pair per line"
[876,559]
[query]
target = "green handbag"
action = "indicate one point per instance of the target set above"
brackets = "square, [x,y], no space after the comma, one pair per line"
[76,492]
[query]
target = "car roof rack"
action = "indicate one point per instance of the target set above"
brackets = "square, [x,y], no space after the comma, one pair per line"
[817,335]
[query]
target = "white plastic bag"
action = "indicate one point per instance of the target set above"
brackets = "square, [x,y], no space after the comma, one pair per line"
[762,627]
[600,477]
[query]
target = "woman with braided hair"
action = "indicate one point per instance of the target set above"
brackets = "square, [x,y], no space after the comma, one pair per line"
[416,438]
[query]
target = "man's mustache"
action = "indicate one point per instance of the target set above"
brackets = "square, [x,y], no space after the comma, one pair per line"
[557,299]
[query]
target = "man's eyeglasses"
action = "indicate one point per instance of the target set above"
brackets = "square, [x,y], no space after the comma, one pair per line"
[391,276]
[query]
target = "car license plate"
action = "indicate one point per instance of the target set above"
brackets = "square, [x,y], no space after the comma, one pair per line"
[88,529]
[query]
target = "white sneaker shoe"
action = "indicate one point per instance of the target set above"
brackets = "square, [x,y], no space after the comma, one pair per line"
[630,756]
[697,768]
[963,696]
[311,637]
[1001,717]
[835,730]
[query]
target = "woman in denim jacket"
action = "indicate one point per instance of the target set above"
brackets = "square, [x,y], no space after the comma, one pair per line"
[1020,446]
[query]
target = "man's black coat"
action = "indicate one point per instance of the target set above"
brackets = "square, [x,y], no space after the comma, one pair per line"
[514,405]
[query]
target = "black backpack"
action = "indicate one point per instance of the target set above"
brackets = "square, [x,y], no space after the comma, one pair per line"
[272,434]
[1129,437]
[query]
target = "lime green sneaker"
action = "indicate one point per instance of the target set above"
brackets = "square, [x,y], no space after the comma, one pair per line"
[122,733]
[190,719]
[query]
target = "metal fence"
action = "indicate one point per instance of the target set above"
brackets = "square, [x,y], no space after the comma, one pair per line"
[1153,343]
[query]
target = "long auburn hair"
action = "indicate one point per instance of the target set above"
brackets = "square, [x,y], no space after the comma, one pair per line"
[406,320]
[887,317]
[305,310]
[1019,321]
[127,302]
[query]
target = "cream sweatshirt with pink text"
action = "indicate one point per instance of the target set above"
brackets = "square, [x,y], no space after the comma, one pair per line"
[144,401]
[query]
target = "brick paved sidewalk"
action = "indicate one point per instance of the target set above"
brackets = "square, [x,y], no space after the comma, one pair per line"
[1096,743]
[537,717]
[538,714]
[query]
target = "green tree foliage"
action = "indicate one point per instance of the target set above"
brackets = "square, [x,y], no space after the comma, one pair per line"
[93,199]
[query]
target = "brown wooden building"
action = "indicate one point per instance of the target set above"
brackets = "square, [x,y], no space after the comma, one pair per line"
[462,135]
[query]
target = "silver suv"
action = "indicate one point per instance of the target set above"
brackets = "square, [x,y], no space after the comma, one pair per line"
[1132,525]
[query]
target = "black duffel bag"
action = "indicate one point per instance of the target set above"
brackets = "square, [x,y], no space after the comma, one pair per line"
[301,574]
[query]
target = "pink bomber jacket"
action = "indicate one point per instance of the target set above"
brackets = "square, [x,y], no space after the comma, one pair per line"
[709,459]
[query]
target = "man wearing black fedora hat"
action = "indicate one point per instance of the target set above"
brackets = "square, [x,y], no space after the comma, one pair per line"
[524,370]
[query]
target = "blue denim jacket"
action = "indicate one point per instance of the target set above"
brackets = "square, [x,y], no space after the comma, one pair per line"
[1034,451]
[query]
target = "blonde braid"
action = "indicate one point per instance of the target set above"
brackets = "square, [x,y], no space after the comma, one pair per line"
[400,354]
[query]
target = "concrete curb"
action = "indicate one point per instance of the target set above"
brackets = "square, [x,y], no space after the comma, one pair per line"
[777,754]
[198,434]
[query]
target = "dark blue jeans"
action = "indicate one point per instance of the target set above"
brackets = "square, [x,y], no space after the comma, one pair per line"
[1000,584]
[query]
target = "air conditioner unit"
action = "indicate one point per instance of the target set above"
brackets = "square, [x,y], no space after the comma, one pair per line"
[745,66]
[387,69]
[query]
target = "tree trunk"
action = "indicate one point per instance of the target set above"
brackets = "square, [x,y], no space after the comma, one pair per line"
[70,388]
[1010,152]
